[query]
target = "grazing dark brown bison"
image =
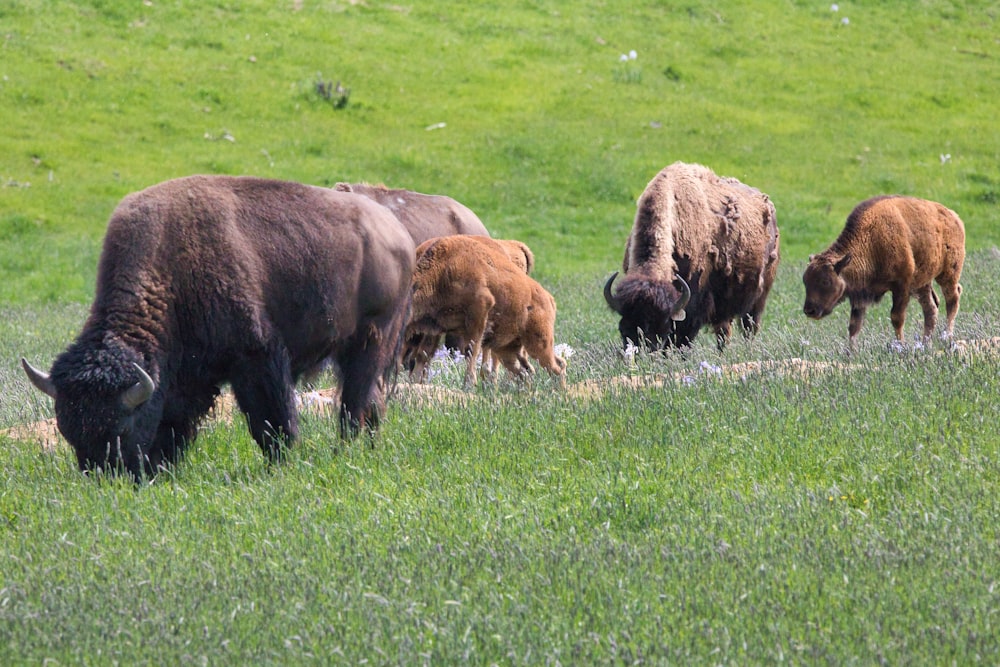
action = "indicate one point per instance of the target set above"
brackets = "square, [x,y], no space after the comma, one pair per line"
[702,250]
[890,244]
[474,290]
[213,279]
[424,216]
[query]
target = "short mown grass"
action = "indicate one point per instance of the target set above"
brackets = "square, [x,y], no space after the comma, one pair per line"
[780,502]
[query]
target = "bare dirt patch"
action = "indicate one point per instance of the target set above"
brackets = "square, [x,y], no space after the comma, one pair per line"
[324,401]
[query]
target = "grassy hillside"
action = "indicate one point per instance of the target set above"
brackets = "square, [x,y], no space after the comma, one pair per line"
[526,114]
[781,502]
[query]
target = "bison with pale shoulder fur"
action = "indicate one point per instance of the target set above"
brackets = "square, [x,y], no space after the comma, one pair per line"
[703,250]
[471,288]
[210,280]
[890,244]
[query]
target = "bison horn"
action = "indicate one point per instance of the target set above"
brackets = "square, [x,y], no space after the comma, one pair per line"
[679,314]
[140,392]
[612,300]
[39,378]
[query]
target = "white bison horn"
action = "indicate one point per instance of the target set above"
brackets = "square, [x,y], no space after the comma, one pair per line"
[39,378]
[612,300]
[140,392]
[678,315]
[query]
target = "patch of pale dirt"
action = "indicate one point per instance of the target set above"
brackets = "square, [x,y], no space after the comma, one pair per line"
[324,401]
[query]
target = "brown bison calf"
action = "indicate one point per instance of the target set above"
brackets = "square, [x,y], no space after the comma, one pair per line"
[474,290]
[420,347]
[890,244]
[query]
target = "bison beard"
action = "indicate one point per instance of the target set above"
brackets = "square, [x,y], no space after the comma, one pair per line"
[211,280]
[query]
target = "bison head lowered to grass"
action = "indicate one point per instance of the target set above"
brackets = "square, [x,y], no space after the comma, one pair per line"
[213,279]
[890,244]
[702,251]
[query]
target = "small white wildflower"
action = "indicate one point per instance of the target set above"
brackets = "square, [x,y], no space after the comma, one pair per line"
[845,21]
[632,55]
[565,351]
[835,7]
[918,345]
[897,346]
[436,126]
[804,343]
[710,368]
[623,58]
[945,157]
[628,354]
[688,380]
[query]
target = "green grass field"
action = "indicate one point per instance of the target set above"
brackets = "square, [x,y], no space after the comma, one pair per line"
[781,502]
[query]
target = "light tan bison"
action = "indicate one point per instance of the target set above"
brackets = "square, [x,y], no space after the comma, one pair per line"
[703,250]
[890,244]
[474,290]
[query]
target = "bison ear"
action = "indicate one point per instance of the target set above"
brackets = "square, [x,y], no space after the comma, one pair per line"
[811,258]
[844,261]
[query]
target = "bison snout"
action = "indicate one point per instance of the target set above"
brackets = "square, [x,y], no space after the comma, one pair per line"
[813,311]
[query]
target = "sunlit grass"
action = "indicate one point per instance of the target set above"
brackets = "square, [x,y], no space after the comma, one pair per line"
[780,502]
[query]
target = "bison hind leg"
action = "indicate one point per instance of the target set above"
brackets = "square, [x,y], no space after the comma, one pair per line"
[264,392]
[366,367]
[929,303]
[952,292]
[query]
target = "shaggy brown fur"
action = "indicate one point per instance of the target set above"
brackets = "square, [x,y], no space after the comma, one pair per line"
[890,244]
[424,216]
[717,235]
[474,290]
[210,280]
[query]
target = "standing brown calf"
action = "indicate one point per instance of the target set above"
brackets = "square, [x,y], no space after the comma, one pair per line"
[474,290]
[890,244]
[420,347]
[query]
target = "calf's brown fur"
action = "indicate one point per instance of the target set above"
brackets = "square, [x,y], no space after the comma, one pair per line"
[474,290]
[890,244]
[421,347]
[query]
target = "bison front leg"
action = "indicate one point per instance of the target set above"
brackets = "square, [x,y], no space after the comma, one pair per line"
[857,319]
[900,299]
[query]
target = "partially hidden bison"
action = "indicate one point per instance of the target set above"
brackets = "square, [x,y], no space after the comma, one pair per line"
[209,280]
[703,250]
[890,244]
[471,288]
[424,216]
[421,347]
